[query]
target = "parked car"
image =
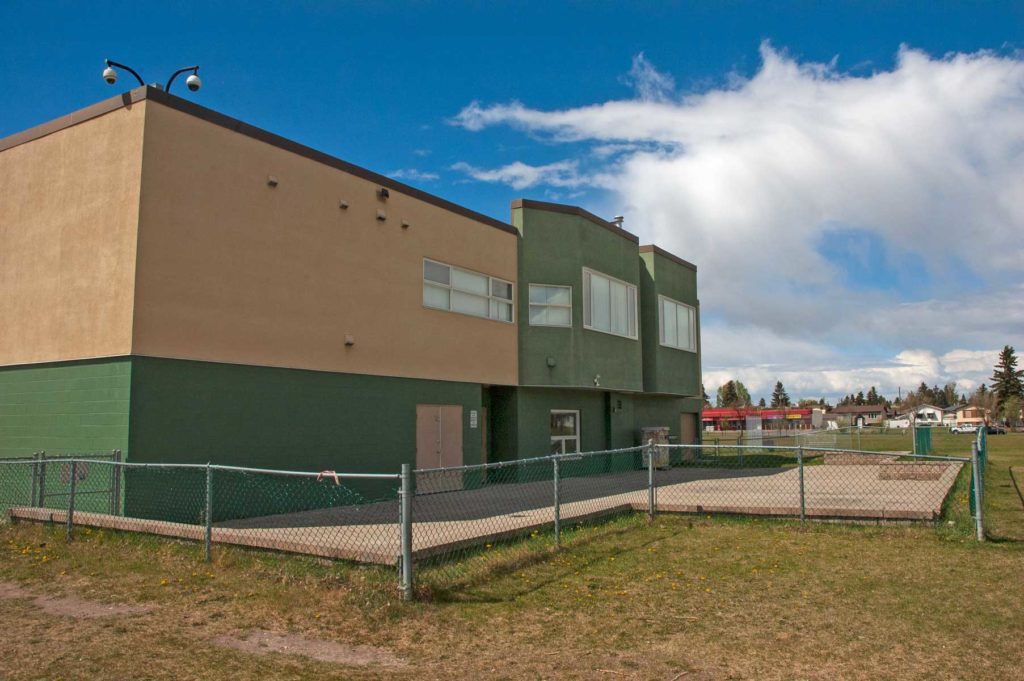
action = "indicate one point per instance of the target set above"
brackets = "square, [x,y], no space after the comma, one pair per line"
[964,428]
[996,429]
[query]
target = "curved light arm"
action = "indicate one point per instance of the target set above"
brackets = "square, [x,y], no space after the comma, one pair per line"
[193,69]
[126,68]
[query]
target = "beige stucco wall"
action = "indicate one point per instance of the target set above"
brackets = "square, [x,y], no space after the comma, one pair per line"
[232,270]
[68,217]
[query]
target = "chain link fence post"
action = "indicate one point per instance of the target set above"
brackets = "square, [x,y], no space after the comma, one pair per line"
[71,501]
[650,480]
[558,503]
[42,478]
[803,493]
[208,534]
[979,499]
[35,480]
[115,483]
[405,510]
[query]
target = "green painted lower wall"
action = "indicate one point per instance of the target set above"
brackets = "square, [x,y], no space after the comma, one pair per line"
[260,417]
[198,412]
[65,407]
[608,420]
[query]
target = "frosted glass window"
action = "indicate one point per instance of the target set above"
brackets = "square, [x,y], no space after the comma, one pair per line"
[451,288]
[501,289]
[433,271]
[467,303]
[678,325]
[470,282]
[436,296]
[609,305]
[550,305]
[600,303]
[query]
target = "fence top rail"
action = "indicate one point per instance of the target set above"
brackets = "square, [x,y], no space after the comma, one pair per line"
[216,467]
[818,448]
[574,456]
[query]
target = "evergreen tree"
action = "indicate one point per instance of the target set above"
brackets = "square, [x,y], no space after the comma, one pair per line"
[949,394]
[1006,377]
[760,403]
[742,395]
[726,396]
[872,397]
[704,395]
[779,396]
[859,400]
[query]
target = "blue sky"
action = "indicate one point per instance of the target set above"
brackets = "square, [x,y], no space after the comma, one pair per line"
[485,102]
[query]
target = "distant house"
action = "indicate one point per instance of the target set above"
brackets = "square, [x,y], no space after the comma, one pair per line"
[927,415]
[898,421]
[949,416]
[968,413]
[861,415]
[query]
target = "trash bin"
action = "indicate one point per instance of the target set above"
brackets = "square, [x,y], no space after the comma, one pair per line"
[660,437]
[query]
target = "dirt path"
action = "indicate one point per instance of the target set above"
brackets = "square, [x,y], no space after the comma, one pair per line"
[70,606]
[265,642]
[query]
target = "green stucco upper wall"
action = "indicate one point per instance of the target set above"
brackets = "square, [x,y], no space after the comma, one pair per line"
[65,407]
[666,369]
[554,248]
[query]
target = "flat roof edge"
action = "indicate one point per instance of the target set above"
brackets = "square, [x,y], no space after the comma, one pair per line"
[577,211]
[209,115]
[651,248]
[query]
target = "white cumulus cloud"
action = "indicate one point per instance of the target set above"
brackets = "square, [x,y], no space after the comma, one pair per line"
[752,179]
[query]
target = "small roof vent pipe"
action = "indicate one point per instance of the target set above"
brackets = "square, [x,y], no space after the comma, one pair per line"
[618,220]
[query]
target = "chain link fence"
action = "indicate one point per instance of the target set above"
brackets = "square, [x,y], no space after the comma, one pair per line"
[846,437]
[458,525]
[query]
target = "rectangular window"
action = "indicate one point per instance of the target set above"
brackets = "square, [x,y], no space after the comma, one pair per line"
[565,431]
[446,287]
[678,324]
[550,305]
[609,305]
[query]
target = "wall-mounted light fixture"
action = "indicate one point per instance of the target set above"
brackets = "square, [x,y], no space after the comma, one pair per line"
[383,193]
[343,205]
[551,362]
[381,215]
[350,340]
[597,381]
[405,224]
[271,180]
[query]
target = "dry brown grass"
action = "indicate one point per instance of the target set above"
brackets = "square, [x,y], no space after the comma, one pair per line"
[705,598]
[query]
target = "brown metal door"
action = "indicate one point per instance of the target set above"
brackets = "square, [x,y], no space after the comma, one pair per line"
[428,436]
[438,445]
[687,429]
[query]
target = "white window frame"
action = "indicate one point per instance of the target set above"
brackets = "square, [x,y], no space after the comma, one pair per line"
[562,438]
[530,304]
[661,324]
[490,297]
[631,291]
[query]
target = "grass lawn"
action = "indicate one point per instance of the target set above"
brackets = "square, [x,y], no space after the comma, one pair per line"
[683,598]
[714,598]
